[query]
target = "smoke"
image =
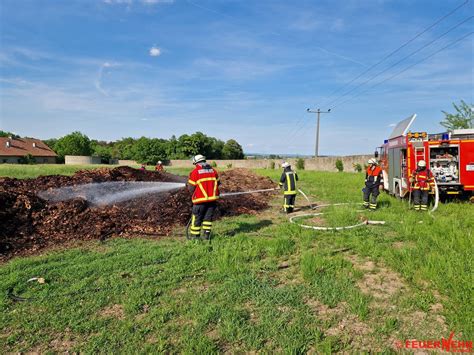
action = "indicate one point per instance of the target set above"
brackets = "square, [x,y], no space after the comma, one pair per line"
[108,193]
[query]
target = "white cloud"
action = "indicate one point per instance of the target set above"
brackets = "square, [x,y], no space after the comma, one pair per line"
[392,125]
[155,51]
[98,81]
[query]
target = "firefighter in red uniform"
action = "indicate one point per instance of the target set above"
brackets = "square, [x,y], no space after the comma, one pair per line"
[373,182]
[423,182]
[288,183]
[203,183]
[159,166]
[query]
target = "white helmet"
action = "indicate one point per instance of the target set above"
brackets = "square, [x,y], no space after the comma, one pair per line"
[285,164]
[372,161]
[422,164]
[198,158]
[159,162]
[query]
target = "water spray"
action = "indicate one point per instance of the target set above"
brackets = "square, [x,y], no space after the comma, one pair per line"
[108,193]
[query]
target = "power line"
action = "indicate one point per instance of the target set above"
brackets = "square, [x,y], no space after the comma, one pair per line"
[409,67]
[401,60]
[397,50]
[298,127]
[391,77]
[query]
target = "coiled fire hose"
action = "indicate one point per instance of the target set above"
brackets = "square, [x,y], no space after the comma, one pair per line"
[292,218]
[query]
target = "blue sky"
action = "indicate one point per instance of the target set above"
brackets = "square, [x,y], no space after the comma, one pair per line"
[232,69]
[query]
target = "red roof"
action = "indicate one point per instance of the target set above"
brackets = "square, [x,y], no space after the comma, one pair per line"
[20,147]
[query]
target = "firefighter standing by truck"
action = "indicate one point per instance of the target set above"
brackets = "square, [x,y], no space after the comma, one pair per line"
[422,181]
[288,183]
[373,182]
[203,184]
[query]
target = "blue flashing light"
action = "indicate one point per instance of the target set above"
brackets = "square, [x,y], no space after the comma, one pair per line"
[385,141]
[445,137]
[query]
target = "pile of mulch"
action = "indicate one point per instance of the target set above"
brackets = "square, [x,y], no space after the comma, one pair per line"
[29,223]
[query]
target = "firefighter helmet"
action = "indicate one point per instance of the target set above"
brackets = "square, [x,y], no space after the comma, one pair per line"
[285,164]
[422,164]
[198,159]
[372,161]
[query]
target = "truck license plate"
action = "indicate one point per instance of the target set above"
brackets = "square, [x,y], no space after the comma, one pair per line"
[470,167]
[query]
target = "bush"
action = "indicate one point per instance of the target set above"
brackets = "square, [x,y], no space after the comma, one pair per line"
[357,167]
[214,164]
[229,166]
[27,159]
[339,165]
[272,165]
[300,164]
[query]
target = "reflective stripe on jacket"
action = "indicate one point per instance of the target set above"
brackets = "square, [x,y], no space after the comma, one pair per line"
[373,176]
[288,181]
[205,179]
[424,179]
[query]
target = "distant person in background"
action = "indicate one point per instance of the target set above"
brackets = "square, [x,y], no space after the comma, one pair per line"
[203,184]
[373,183]
[288,183]
[159,166]
[422,180]
[143,167]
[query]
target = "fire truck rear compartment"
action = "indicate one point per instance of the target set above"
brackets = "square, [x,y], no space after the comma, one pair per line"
[444,164]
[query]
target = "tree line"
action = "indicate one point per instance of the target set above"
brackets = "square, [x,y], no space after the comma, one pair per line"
[146,150]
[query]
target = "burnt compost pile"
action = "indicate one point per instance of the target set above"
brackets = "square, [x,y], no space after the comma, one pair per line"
[28,223]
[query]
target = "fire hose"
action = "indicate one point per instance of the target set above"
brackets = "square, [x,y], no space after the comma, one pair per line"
[436,201]
[363,223]
[436,197]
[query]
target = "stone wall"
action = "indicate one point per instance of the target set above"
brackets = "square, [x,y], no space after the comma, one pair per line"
[81,160]
[127,162]
[319,164]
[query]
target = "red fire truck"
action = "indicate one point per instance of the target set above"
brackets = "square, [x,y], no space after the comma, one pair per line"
[450,157]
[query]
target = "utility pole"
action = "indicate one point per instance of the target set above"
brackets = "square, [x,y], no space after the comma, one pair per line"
[318,111]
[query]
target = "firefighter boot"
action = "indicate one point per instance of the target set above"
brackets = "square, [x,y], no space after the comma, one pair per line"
[206,235]
[206,230]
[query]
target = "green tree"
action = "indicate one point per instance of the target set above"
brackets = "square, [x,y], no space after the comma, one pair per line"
[150,150]
[232,150]
[300,164]
[339,165]
[51,143]
[27,159]
[123,149]
[463,118]
[103,150]
[75,143]
[8,134]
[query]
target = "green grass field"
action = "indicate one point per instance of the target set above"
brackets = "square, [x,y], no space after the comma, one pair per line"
[263,284]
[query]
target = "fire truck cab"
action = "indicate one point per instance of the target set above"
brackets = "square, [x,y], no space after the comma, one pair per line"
[449,156]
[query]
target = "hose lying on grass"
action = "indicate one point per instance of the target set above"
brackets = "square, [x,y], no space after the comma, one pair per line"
[292,218]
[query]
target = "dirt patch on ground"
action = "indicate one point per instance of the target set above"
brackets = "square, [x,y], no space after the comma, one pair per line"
[115,311]
[30,223]
[62,345]
[324,312]
[388,289]
[378,281]
[403,245]
[342,324]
